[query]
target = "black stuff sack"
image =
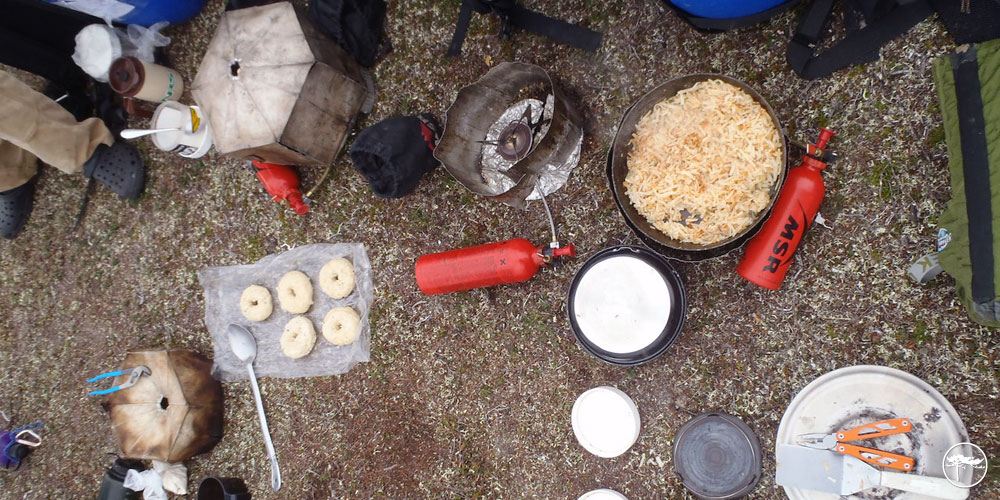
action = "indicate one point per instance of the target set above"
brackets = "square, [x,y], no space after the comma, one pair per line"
[396,152]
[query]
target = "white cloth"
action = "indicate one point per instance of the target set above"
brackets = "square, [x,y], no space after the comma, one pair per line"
[174,476]
[148,482]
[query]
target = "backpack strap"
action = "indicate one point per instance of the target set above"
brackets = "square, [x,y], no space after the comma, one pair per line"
[513,14]
[858,47]
[975,167]
[712,25]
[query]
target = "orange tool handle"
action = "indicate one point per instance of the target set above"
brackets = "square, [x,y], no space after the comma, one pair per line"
[877,457]
[876,430]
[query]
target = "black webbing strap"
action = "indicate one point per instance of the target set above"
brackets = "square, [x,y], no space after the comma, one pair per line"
[975,167]
[514,15]
[857,47]
[714,25]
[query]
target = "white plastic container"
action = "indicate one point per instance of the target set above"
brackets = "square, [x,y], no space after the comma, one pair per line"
[195,137]
[605,421]
[603,494]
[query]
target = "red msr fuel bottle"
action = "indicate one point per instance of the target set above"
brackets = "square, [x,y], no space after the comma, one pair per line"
[480,266]
[282,183]
[769,254]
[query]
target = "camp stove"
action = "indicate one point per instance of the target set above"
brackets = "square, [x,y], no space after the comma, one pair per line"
[511,136]
[525,153]
[516,138]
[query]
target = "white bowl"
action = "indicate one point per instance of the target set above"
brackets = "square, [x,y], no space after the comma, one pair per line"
[605,421]
[602,494]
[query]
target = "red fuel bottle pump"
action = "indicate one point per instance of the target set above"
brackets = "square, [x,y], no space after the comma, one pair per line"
[480,266]
[769,254]
[282,183]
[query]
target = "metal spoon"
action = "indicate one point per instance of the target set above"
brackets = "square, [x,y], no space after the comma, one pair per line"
[245,348]
[132,133]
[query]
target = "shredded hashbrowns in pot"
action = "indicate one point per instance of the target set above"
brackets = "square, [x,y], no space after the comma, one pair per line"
[703,163]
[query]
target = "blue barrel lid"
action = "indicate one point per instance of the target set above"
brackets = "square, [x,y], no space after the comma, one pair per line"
[725,9]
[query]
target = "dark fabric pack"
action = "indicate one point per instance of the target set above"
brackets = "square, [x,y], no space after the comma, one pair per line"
[354,24]
[396,152]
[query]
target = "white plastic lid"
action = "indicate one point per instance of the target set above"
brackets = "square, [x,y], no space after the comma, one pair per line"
[603,494]
[605,421]
[622,304]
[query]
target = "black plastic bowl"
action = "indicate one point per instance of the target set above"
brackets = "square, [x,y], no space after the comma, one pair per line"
[618,168]
[670,331]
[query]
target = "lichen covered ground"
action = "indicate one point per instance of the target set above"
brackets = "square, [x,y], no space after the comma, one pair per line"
[468,395]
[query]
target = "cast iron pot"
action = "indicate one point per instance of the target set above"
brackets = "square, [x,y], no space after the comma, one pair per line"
[672,329]
[618,168]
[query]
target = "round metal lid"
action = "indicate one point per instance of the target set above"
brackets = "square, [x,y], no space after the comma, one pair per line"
[717,456]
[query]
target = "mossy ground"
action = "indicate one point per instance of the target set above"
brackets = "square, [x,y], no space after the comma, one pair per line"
[468,395]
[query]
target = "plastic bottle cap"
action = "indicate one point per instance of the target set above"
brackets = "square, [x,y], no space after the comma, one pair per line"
[605,421]
[603,494]
[126,76]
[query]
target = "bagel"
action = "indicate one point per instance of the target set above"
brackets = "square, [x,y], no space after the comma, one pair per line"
[298,338]
[295,292]
[342,326]
[255,303]
[336,278]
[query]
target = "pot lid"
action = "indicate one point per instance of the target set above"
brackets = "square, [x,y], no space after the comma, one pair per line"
[622,304]
[717,456]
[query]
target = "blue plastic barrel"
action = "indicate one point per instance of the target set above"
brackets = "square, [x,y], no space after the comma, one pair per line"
[725,9]
[149,12]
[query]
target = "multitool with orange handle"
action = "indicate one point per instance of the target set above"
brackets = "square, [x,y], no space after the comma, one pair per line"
[838,443]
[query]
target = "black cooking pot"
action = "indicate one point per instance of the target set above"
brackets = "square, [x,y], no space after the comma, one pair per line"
[618,168]
[620,293]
